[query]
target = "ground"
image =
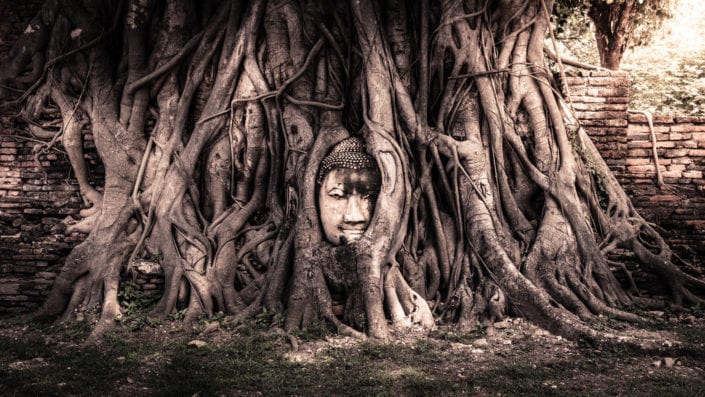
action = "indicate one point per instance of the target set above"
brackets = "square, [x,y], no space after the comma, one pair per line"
[514,357]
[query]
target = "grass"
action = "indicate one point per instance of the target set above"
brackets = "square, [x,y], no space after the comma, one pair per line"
[39,359]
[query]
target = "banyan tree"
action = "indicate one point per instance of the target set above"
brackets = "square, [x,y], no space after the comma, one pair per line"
[233,133]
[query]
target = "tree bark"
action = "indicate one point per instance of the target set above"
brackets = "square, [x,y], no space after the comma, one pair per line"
[212,121]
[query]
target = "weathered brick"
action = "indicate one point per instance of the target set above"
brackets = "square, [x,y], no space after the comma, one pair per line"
[639,144]
[586,99]
[686,119]
[593,107]
[642,168]
[637,161]
[662,119]
[9,289]
[693,174]
[682,160]
[676,153]
[686,128]
[601,115]
[690,144]
[13,298]
[638,153]
[672,174]
[677,136]
[664,197]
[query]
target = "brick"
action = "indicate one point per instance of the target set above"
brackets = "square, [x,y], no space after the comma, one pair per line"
[575,80]
[608,81]
[613,107]
[586,99]
[672,174]
[641,168]
[13,298]
[604,122]
[677,136]
[9,289]
[693,174]
[639,145]
[662,119]
[618,99]
[606,115]
[43,281]
[609,73]
[637,118]
[645,130]
[664,197]
[686,119]
[698,224]
[690,144]
[638,152]
[637,161]
[686,128]
[676,153]
[608,91]
[682,160]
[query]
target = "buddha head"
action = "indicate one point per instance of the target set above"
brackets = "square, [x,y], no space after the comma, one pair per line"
[348,185]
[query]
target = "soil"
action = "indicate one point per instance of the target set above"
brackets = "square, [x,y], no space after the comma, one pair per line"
[512,357]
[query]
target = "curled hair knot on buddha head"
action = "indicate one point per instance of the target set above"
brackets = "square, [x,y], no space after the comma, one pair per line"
[349,153]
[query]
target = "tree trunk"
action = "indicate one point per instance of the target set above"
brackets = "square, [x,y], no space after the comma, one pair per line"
[613,27]
[212,120]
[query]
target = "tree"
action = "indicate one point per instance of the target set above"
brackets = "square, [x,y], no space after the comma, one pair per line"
[619,24]
[212,119]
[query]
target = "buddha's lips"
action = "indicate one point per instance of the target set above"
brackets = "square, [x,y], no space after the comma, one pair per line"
[355,233]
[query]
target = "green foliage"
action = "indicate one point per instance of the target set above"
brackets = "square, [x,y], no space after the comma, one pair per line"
[133,300]
[134,303]
[648,19]
[156,257]
[667,86]
[444,334]
[318,329]
[575,30]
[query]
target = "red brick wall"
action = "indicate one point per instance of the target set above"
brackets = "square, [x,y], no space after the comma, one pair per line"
[624,140]
[600,100]
[35,194]
[679,206]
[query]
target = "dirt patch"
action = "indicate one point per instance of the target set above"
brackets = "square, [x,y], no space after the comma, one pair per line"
[512,357]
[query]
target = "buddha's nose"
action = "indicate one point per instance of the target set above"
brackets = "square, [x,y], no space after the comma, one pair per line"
[355,211]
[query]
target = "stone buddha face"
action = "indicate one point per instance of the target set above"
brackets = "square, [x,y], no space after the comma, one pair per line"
[348,187]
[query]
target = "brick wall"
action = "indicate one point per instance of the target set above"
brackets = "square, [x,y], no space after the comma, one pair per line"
[624,140]
[600,100]
[679,206]
[36,194]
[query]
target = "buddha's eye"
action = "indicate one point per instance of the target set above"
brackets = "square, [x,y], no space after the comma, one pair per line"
[337,194]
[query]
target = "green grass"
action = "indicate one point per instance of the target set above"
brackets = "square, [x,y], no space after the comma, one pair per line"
[249,360]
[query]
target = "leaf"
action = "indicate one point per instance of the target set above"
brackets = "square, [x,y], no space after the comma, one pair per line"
[197,343]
